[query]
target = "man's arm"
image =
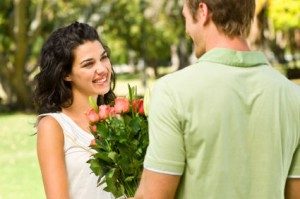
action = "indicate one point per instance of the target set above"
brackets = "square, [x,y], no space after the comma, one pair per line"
[292,188]
[157,185]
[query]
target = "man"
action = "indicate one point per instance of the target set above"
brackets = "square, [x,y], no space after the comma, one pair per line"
[227,127]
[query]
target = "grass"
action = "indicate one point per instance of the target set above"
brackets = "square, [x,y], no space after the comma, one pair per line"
[19,170]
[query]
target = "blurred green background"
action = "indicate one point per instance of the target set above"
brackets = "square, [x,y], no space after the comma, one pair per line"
[19,170]
[147,40]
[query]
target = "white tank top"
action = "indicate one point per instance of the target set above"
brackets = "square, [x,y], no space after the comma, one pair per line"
[82,182]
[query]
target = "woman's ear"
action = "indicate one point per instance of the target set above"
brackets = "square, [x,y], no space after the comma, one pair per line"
[67,78]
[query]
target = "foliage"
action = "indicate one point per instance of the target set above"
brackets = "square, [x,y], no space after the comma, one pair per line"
[285,14]
[121,139]
[135,30]
[140,34]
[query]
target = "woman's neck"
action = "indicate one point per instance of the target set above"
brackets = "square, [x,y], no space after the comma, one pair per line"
[77,111]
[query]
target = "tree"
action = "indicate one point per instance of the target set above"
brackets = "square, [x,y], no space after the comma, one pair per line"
[24,25]
[14,52]
[141,28]
[275,29]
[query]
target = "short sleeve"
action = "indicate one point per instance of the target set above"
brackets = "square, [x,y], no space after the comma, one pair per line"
[295,166]
[165,153]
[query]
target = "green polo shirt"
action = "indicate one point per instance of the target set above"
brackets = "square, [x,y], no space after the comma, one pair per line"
[229,125]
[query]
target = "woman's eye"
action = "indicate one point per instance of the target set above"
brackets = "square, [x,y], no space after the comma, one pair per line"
[88,65]
[103,57]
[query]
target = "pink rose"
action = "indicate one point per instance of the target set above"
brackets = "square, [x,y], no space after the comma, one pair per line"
[138,106]
[104,111]
[121,105]
[92,116]
[112,111]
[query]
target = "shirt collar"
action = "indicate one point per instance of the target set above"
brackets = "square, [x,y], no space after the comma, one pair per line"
[234,58]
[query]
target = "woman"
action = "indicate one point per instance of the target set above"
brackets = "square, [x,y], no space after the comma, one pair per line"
[74,65]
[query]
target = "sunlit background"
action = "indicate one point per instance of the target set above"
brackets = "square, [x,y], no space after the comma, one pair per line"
[147,40]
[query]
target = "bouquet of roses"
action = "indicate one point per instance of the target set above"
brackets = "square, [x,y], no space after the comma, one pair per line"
[121,140]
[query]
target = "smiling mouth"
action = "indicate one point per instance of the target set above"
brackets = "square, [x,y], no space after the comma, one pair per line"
[100,81]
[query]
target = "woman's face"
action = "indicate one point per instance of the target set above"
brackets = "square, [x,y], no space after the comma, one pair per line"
[91,70]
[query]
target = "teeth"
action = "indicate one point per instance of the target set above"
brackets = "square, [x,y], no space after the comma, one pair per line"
[100,81]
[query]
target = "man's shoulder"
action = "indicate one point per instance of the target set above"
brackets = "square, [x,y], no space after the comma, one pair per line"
[182,74]
[184,82]
[296,90]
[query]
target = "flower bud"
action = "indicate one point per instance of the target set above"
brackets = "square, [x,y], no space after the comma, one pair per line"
[92,116]
[138,106]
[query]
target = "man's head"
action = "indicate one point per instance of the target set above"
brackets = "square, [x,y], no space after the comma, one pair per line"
[232,17]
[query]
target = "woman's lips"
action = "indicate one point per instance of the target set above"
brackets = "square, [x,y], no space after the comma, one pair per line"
[100,80]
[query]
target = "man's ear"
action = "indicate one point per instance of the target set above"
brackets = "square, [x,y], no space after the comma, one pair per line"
[203,13]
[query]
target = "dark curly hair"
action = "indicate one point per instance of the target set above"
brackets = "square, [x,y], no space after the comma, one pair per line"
[52,92]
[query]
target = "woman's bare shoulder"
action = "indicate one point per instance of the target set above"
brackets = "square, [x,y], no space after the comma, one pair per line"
[49,125]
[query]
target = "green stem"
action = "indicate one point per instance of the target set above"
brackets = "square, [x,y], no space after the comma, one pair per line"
[129,191]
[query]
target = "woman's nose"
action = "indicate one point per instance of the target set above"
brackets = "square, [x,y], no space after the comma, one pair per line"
[99,68]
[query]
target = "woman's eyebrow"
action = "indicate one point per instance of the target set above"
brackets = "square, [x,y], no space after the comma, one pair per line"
[86,60]
[91,59]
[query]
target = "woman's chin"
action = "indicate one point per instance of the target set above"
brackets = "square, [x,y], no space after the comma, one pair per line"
[102,91]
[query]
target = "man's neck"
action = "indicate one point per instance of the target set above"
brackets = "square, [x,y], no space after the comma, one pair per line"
[217,39]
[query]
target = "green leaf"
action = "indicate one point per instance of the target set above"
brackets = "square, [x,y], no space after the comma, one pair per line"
[103,156]
[129,178]
[112,155]
[113,185]
[131,93]
[93,103]
[95,167]
[135,124]
[102,128]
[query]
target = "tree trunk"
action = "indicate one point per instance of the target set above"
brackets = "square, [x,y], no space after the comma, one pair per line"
[19,80]
[183,53]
